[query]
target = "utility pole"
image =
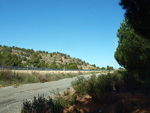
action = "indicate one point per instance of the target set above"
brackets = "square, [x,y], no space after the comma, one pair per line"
[27,74]
[65,71]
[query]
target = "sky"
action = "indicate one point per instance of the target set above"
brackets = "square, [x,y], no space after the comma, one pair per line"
[84,29]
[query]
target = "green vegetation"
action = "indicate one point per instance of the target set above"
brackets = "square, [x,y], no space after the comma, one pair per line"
[96,87]
[73,99]
[137,13]
[99,87]
[15,56]
[110,68]
[7,59]
[43,105]
[53,66]
[71,66]
[103,90]
[35,60]
[10,78]
[133,51]
[80,85]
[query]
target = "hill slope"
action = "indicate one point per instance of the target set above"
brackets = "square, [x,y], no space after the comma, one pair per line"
[15,56]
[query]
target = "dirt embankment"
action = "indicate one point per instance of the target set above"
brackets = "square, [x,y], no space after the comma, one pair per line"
[123,102]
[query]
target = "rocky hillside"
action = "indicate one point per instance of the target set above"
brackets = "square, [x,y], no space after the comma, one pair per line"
[15,56]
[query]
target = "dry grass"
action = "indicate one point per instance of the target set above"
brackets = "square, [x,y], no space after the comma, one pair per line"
[53,72]
[17,77]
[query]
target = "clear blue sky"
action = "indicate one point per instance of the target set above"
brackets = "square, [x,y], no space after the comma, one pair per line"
[84,29]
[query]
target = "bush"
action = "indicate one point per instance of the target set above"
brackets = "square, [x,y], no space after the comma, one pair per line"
[43,105]
[66,93]
[73,99]
[126,80]
[98,86]
[131,81]
[117,79]
[80,85]
[63,102]
[27,107]
[58,108]
[10,78]
[5,75]
[39,104]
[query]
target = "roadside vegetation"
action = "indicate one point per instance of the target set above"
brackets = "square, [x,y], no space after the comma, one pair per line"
[41,104]
[106,93]
[9,77]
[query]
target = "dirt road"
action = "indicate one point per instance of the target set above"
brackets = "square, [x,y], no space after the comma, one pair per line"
[11,98]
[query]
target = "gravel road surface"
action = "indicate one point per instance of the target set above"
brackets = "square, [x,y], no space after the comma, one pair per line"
[11,98]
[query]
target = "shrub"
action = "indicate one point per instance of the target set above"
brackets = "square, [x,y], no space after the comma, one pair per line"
[27,107]
[9,78]
[73,99]
[131,81]
[127,80]
[98,86]
[58,108]
[63,102]
[66,93]
[94,89]
[43,105]
[80,85]
[39,104]
[105,82]
[117,79]
[5,75]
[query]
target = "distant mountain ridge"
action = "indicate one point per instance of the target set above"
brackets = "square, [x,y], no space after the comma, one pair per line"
[15,56]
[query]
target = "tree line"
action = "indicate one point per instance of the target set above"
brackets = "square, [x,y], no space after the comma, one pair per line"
[8,59]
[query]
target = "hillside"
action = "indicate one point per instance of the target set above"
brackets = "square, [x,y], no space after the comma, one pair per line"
[15,56]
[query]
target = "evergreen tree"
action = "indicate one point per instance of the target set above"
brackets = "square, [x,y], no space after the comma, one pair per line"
[1,59]
[72,66]
[7,59]
[35,59]
[43,64]
[53,66]
[133,51]
[138,15]
[110,68]
[103,68]
[15,60]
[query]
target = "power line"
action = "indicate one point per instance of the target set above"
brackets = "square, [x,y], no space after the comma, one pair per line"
[104,23]
[87,17]
[102,16]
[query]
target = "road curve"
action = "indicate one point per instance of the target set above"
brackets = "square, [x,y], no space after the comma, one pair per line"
[11,98]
